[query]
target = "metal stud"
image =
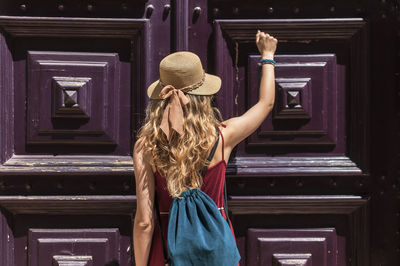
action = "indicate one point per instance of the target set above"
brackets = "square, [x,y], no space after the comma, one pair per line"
[92,186]
[197,10]
[270,10]
[126,186]
[299,183]
[272,183]
[28,187]
[235,10]
[22,7]
[90,8]
[167,8]
[196,14]
[332,9]
[60,7]
[215,11]
[59,185]
[124,6]
[166,11]
[296,10]
[149,11]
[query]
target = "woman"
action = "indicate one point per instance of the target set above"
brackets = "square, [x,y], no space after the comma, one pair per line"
[178,134]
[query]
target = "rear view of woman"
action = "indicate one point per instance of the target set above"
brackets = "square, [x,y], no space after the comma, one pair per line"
[175,143]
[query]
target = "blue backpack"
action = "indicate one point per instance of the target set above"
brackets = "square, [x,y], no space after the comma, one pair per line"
[197,232]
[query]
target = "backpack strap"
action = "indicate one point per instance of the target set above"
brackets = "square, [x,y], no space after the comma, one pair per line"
[226,204]
[225,192]
[204,170]
[164,249]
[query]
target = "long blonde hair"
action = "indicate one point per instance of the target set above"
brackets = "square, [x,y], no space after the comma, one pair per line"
[181,159]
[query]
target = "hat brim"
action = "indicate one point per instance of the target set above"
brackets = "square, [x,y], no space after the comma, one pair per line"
[210,86]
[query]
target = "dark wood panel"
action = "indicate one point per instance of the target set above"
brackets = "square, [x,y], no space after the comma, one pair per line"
[349,215]
[78,92]
[292,245]
[6,239]
[84,92]
[90,246]
[69,205]
[39,238]
[308,97]
[235,41]
[75,8]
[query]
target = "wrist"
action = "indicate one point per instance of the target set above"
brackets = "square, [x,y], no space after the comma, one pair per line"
[267,55]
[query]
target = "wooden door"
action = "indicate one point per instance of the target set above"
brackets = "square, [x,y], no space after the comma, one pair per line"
[72,84]
[316,184]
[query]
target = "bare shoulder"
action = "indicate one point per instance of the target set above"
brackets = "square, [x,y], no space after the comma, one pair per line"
[139,145]
[141,154]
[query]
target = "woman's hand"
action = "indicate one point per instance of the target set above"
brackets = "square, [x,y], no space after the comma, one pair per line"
[266,44]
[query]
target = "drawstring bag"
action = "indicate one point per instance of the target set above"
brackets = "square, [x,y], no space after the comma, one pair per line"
[197,232]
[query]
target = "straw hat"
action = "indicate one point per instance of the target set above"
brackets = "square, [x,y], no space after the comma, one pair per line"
[183,70]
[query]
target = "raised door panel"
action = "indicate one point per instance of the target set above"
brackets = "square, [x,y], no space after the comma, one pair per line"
[310,114]
[74,87]
[66,230]
[333,230]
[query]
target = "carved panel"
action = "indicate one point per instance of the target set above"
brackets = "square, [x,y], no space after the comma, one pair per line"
[68,205]
[292,259]
[59,260]
[305,112]
[74,86]
[70,82]
[6,240]
[339,237]
[50,246]
[317,75]
[304,246]
[70,97]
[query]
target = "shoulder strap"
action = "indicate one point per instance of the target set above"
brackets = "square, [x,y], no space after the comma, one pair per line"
[226,203]
[203,171]
[223,143]
[164,249]
[225,192]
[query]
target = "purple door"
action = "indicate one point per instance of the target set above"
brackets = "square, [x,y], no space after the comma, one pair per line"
[317,184]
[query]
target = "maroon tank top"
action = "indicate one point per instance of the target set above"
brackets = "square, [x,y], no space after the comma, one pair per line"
[213,186]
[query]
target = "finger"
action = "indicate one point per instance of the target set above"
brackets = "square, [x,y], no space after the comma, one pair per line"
[258,36]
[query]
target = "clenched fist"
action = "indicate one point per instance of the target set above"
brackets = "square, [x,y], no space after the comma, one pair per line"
[266,44]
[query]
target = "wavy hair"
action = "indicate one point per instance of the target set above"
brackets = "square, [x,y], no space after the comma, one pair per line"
[181,159]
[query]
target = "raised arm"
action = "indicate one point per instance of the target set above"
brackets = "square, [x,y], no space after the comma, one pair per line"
[238,128]
[143,225]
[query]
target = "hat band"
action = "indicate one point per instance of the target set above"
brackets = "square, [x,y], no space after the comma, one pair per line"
[190,87]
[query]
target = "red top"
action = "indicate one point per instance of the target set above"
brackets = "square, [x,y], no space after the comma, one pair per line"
[213,186]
